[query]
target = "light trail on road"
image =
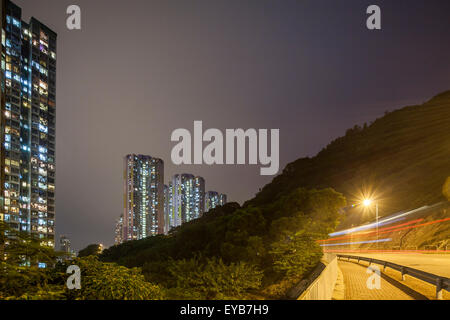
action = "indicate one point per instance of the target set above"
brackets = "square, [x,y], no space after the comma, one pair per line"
[366,234]
[359,242]
[392,229]
[384,221]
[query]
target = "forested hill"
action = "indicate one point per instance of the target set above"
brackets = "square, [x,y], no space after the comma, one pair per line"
[403,158]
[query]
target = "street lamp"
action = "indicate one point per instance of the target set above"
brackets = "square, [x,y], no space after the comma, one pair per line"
[368,203]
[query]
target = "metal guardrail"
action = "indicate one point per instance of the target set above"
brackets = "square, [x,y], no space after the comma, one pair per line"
[441,283]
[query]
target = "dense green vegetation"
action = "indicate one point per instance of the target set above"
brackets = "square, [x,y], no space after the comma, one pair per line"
[230,253]
[108,281]
[20,276]
[210,278]
[402,159]
[90,250]
[22,279]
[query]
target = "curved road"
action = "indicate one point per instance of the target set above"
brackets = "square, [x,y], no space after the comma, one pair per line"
[438,264]
[392,288]
[355,278]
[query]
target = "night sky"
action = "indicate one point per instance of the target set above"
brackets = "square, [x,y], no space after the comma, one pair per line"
[139,69]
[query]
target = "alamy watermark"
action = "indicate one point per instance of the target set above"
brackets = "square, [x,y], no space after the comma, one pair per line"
[374,280]
[374,20]
[229,148]
[73,21]
[74,280]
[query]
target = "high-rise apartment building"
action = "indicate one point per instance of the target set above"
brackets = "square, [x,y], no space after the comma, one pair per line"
[199,197]
[186,199]
[166,209]
[182,200]
[173,219]
[27,129]
[64,244]
[182,189]
[143,197]
[118,234]
[211,200]
[222,199]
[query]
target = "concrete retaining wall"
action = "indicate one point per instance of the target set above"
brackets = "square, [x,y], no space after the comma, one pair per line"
[322,288]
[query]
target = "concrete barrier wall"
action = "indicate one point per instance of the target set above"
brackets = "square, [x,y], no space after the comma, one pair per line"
[322,288]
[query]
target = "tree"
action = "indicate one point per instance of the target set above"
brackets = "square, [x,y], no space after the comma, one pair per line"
[109,281]
[207,279]
[296,255]
[23,275]
[21,260]
[90,250]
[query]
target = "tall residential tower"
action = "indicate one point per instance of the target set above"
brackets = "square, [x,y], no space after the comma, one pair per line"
[199,197]
[185,201]
[213,199]
[143,214]
[27,129]
[118,233]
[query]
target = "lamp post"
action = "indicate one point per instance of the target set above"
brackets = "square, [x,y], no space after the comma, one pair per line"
[368,203]
[376,209]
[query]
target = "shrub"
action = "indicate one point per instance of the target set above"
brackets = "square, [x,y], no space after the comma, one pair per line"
[296,255]
[108,281]
[206,279]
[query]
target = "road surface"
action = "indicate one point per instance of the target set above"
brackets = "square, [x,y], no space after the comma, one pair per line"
[392,286]
[355,284]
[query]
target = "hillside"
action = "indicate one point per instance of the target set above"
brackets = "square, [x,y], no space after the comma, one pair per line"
[401,159]
[266,251]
